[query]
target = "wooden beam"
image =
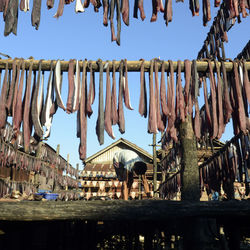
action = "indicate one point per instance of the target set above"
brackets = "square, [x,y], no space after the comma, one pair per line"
[144,210]
[133,66]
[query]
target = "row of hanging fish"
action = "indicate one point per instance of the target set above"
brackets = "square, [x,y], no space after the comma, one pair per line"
[46,154]
[213,47]
[169,189]
[10,11]
[7,187]
[245,53]
[229,97]
[172,162]
[231,163]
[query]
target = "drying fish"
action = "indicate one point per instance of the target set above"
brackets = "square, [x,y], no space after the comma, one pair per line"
[91,94]
[143,92]
[187,66]
[118,18]
[114,114]
[3,111]
[152,119]
[79,6]
[107,113]
[36,13]
[160,124]
[163,96]
[168,12]
[111,18]
[105,4]
[207,109]
[221,124]
[12,87]
[180,91]
[121,120]
[126,90]
[125,11]
[100,119]
[77,95]
[60,9]
[16,88]
[226,103]
[26,113]
[71,81]
[58,85]
[214,100]
[11,18]
[82,113]
[50,4]
[35,105]
[17,116]
[48,104]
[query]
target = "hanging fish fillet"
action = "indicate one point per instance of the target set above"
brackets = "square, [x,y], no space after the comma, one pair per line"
[160,124]
[246,82]
[11,17]
[114,114]
[121,120]
[105,4]
[107,114]
[152,119]
[60,9]
[50,4]
[221,124]
[11,89]
[214,100]
[168,12]
[71,88]
[58,85]
[35,104]
[16,89]
[207,109]
[48,104]
[143,92]
[139,5]
[163,96]
[181,97]
[36,13]
[197,126]
[111,18]
[172,117]
[126,90]
[187,66]
[26,114]
[3,111]
[226,104]
[77,95]
[18,111]
[118,18]
[100,119]
[125,11]
[79,7]
[91,94]
[240,105]
[82,113]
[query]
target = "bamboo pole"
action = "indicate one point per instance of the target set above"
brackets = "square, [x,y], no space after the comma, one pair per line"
[154,165]
[133,66]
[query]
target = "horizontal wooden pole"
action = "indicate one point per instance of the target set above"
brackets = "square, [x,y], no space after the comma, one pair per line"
[133,66]
[145,210]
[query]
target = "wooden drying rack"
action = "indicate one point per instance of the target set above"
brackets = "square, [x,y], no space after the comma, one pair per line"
[133,66]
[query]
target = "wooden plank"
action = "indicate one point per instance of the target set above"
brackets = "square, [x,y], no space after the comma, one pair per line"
[144,210]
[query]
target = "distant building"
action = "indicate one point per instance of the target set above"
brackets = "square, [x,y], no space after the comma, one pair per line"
[99,178]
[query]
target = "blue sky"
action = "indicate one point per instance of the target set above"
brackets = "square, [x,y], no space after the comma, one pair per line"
[80,36]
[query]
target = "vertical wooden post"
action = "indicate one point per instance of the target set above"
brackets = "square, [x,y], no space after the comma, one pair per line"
[154,165]
[39,149]
[190,174]
[67,169]
[140,189]
[77,169]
